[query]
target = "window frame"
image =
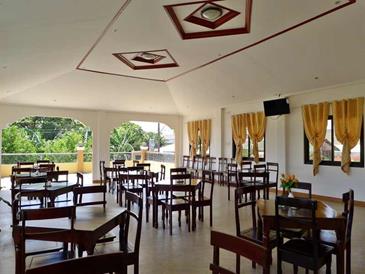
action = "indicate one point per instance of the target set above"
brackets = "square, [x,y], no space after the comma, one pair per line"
[261,159]
[332,162]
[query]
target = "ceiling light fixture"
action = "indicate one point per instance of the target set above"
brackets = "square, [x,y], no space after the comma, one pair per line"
[211,13]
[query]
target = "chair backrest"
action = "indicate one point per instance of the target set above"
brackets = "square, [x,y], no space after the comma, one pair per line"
[21,170]
[232,167]
[307,210]
[23,164]
[206,189]
[348,212]
[304,186]
[178,170]
[43,162]
[135,169]
[273,168]
[250,192]
[57,176]
[97,264]
[207,175]
[222,164]
[80,191]
[46,167]
[163,172]
[259,171]
[208,163]
[130,181]
[180,178]
[131,199]
[146,166]
[197,162]
[239,246]
[246,166]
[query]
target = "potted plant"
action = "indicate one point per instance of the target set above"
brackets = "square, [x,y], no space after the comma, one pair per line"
[288,181]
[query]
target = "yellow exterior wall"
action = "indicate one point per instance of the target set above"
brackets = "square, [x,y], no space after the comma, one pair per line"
[5,170]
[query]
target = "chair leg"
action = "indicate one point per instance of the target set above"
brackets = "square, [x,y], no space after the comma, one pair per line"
[238,264]
[179,218]
[136,268]
[295,269]
[328,265]
[211,214]
[348,258]
[170,220]
[147,212]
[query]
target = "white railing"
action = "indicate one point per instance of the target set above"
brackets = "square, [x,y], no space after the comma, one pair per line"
[13,158]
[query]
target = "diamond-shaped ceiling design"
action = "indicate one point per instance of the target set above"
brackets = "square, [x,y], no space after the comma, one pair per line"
[211,18]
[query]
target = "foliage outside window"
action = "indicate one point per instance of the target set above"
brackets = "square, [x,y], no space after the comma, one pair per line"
[247,151]
[331,149]
[199,147]
[52,138]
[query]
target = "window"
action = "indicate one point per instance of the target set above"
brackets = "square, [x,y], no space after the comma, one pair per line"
[331,149]
[247,151]
[199,146]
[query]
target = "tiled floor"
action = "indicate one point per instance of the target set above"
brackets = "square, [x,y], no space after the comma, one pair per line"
[185,252]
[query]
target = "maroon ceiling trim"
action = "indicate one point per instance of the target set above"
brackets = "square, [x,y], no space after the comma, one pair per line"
[152,66]
[127,2]
[212,33]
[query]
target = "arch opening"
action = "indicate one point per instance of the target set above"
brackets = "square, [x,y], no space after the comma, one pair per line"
[64,141]
[151,142]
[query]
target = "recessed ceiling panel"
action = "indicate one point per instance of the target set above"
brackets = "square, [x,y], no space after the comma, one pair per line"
[152,59]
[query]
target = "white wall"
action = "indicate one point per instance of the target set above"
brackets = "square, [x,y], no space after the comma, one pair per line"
[100,122]
[285,140]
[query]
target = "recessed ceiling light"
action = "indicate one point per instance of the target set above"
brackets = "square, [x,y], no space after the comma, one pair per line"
[54,100]
[233,96]
[5,67]
[316,78]
[211,13]
[115,30]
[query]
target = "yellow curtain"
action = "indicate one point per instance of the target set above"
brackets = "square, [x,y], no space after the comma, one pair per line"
[205,132]
[256,124]
[193,128]
[315,119]
[239,134]
[347,117]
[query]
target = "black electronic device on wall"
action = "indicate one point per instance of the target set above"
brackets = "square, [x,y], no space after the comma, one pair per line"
[276,107]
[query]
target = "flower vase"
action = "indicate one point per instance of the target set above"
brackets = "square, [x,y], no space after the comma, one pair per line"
[290,194]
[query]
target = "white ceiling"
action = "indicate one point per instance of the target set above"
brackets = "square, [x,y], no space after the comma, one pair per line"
[42,43]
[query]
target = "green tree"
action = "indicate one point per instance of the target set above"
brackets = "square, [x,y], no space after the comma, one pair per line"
[15,140]
[126,138]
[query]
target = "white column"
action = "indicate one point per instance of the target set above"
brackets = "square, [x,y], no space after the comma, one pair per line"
[1,136]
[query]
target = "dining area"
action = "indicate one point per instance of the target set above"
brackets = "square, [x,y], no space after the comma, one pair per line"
[170,206]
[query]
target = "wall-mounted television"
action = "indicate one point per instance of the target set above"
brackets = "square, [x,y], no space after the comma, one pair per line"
[276,107]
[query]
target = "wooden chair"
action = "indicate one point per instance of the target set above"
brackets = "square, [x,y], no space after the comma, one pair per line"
[110,177]
[222,167]
[57,176]
[97,264]
[132,183]
[163,172]
[43,162]
[26,171]
[253,233]
[172,203]
[239,246]
[150,196]
[26,234]
[307,253]
[328,237]
[17,186]
[261,180]
[204,198]
[273,169]
[126,246]
[231,173]
[304,186]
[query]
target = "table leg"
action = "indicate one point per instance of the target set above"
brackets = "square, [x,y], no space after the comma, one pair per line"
[340,256]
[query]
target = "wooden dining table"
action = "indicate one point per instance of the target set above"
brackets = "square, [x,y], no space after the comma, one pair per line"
[91,223]
[42,190]
[327,219]
[164,186]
